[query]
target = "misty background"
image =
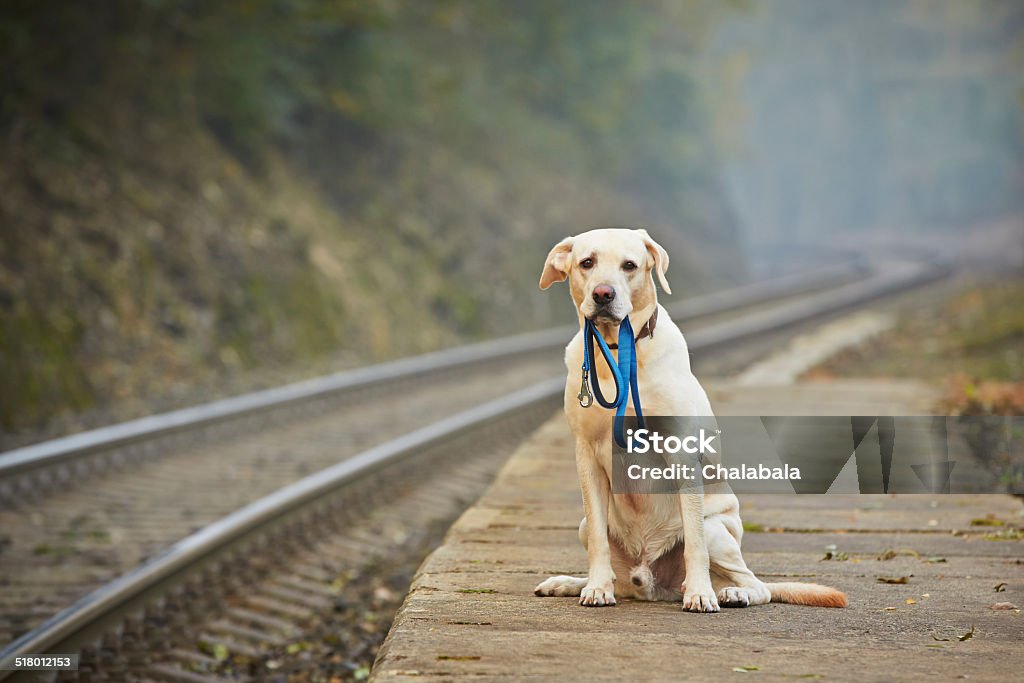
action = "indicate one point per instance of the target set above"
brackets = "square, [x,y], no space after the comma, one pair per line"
[197,199]
[875,115]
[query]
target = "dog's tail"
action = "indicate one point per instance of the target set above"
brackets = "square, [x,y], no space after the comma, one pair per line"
[807,594]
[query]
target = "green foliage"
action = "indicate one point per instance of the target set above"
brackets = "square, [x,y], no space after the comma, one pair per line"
[191,188]
[606,85]
[196,188]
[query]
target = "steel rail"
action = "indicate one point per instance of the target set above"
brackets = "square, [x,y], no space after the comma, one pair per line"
[765,291]
[54,452]
[145,582]
[893,278]
[214,537]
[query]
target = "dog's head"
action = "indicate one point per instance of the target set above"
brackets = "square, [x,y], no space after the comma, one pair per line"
[610,271]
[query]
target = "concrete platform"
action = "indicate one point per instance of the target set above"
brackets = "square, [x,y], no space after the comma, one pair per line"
[471,612]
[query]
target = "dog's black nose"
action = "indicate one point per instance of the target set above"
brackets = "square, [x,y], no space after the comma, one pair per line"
[603,294]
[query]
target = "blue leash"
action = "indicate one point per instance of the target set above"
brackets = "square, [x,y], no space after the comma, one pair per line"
[624,373]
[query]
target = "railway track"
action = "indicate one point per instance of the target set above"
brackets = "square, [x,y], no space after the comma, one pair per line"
[30,472]
[340,441]
[153,481]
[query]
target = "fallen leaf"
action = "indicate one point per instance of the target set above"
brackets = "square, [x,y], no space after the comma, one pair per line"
[966,636]
[911,601]
[1001,587]
[893,579]
[745,669]
[1003,605]
[989,520]
[935,559]
[890,609]
[898,552]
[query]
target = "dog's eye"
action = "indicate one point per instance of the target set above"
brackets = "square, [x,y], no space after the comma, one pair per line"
[587,263]
[629,265]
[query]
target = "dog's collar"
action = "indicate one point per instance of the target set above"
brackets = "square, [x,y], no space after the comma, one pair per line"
[646,331]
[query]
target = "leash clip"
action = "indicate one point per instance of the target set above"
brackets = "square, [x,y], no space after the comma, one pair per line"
[585,397]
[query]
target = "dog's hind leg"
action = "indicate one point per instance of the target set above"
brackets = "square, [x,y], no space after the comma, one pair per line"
[734,583]
[561,587]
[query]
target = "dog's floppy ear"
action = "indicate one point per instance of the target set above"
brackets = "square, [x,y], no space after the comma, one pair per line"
[556,267]
[660,258]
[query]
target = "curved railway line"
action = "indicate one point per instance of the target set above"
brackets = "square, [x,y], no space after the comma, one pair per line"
[298,472]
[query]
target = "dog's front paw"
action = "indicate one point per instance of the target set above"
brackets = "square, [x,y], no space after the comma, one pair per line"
[699,599]
[598,595]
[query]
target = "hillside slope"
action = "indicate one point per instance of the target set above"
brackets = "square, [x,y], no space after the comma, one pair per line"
[196,200]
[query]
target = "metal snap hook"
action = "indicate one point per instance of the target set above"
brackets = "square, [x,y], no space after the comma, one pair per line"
[585,397]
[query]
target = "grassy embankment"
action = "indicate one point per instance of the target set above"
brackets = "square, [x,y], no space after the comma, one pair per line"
[970,343]
[199,199]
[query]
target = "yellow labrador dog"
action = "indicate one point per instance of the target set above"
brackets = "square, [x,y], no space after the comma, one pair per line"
[655,546]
